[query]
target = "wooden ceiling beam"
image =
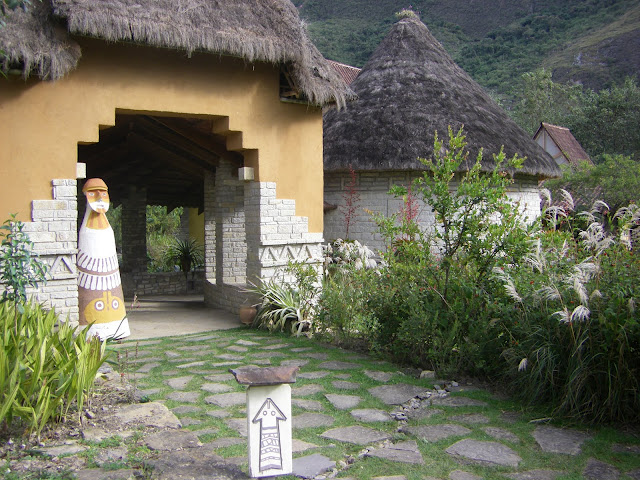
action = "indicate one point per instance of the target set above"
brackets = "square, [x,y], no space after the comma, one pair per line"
[163,151]
[179,127]
[154,129]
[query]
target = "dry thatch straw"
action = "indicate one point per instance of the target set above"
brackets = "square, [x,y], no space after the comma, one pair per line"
[36,43]
[410,88]
[256,30]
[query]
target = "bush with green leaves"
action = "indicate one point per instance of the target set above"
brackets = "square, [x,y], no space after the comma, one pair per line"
[433,301]
[573,329]
[429,302]
[186,254]
[45,366]
[348,252]
[20,267]
[615,180]
[342,316]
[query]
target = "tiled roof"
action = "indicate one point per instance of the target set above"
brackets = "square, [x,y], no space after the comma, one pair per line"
[347,72]
[566,142]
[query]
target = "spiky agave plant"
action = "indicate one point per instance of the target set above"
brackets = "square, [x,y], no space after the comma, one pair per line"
[186,253]
[281,308]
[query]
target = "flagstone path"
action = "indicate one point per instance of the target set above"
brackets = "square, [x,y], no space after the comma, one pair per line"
[199,425]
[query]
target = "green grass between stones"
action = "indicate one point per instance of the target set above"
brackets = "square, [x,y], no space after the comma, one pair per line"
[171,353]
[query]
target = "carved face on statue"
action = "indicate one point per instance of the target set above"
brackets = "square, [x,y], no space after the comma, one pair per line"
[97,195]
[98,200]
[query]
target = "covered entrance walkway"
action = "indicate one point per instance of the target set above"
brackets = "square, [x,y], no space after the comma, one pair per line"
[165,316]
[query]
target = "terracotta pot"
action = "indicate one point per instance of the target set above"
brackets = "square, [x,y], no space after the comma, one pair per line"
[247,314]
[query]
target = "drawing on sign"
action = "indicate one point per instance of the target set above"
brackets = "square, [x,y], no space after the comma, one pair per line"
[269,416]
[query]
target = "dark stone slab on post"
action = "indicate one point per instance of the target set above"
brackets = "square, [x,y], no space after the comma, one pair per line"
[265,376]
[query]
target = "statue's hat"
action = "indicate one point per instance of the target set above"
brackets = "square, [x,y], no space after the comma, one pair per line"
[94,184]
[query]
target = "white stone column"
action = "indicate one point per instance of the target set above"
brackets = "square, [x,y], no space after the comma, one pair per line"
[275,235]
[231,249]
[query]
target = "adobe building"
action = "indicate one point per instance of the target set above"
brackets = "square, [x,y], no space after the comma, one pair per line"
[213,106]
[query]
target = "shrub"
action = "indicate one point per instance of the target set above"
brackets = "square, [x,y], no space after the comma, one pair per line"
[350,272]
[574,337]
[433,304]
[19,266]
[288,303]
[187,254]
[348,253]
[157,246]
[44,368]
[342,316]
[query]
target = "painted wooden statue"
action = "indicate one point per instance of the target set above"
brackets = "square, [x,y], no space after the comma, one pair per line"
[99,287]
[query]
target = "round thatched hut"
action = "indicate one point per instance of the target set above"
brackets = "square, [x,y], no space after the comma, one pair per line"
[409,89]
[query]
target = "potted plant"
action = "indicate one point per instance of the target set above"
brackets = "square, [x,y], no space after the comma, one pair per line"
[187,254]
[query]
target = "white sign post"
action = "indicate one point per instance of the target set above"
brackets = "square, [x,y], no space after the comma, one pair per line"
[268,419]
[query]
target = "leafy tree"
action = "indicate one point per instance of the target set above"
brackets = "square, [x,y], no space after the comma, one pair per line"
[431,297]
[615,180]
[543,100]
[609,121]
[604,122]
[476,221]
[161,222]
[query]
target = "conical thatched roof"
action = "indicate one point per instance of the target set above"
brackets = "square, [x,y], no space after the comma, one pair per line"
[409,88]
[256,30]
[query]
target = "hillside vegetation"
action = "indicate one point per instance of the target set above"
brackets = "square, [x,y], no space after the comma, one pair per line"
[594,42]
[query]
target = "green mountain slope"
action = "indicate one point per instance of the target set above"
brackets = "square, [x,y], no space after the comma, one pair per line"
[595,42]
[602,56]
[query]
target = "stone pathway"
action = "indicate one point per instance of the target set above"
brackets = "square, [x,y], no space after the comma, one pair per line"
[195,423]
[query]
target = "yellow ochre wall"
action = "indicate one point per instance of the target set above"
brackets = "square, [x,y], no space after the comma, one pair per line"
[196,225]
[43,122]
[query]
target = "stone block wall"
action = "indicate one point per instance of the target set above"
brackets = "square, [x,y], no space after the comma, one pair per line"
[53,229]
[271,235]
[373,188]
[134,231]
[225,238]
[209,228]
[231,246]
[161,283]
[526,193]
[276,232]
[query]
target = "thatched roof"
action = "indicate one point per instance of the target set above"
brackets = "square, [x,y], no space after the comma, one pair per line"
[33,42]
[255,30]
[409,88]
